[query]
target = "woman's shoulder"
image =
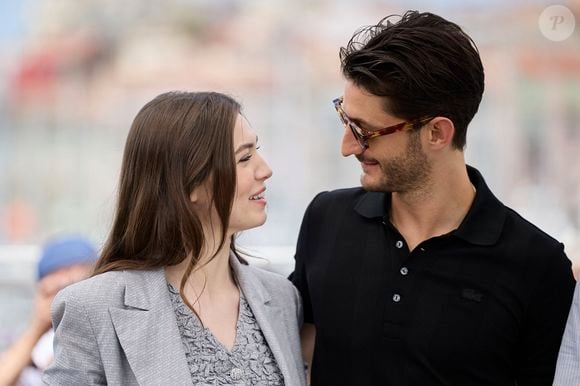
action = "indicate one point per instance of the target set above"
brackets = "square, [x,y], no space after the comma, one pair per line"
[264,274]
[273,281]
[94,298]
[103,288]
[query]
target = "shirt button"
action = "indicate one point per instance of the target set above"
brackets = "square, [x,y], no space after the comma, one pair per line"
[396,298]
[422,249]
[399,244]
[404,271]
[236,374]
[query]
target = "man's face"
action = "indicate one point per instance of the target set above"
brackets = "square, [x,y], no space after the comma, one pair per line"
[392,163]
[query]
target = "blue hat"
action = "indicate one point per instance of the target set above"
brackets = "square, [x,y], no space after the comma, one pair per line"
[63,252]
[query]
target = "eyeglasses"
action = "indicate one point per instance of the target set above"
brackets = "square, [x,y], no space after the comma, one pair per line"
[361,135]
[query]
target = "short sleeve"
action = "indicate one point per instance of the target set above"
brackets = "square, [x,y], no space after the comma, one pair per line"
[546,319]
[302,257]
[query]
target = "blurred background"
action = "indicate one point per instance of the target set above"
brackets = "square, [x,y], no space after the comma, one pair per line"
[73,74]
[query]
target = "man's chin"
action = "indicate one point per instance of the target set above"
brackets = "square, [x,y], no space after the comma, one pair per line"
[372,185]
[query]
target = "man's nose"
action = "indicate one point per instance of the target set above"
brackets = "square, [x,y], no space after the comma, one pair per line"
[350,145]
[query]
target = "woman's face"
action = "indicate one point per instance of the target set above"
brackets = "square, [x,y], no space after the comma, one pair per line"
[252,171]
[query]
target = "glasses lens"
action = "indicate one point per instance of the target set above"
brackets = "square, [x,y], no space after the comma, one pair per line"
[361,141]
[342,117]
[347,123]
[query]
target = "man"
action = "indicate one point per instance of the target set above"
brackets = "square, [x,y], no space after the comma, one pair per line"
[64,260]
[422,276]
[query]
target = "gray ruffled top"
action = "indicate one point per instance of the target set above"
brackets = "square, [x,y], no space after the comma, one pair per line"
[250,361]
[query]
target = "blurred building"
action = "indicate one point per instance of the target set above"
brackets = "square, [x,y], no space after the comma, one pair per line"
[73,74]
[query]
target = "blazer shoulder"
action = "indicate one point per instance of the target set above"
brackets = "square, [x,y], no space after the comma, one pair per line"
[266,277]
[273,282]
[104,289]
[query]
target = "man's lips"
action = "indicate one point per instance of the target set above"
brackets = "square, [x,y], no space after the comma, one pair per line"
[368,164]
[367,161]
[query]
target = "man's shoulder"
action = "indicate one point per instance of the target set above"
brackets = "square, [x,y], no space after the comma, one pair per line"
[343,193]
[338,197]
[528,234]
[529,245]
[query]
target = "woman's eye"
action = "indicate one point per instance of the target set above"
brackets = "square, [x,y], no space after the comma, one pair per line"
[246,158]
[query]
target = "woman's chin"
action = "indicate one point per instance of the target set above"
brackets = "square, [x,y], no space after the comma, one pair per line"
[249,224]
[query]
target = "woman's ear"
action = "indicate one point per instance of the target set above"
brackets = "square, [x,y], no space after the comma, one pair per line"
[441,131]
[201,193]
[194,196]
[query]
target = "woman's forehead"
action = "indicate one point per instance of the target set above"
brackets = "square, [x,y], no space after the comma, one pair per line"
[243,131]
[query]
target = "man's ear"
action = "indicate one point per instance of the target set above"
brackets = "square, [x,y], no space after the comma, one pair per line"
[441,131]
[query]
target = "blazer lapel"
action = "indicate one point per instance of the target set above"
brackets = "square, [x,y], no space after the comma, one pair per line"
[268,315]
[148,332]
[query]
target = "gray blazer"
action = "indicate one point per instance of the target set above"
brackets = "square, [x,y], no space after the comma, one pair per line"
[119,328]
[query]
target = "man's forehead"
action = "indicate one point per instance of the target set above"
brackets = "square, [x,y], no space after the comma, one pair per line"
[360,105]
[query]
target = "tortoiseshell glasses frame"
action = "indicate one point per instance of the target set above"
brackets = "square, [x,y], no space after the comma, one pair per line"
[361,135]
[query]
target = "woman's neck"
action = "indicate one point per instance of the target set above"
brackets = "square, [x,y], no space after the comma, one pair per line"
[212,275]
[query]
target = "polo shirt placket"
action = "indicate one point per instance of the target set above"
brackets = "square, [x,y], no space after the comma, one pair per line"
[397,283]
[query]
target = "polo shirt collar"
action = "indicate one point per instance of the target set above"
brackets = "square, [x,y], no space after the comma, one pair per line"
[484,221]
[372,204]
[482,225]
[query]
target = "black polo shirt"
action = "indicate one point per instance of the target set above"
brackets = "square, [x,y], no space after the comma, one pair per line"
[483,305]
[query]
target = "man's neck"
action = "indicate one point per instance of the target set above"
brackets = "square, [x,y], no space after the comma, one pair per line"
[436,209]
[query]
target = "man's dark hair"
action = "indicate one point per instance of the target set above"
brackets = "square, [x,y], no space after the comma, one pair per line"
[424,65]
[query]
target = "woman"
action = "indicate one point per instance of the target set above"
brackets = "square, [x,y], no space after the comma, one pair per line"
[171,301]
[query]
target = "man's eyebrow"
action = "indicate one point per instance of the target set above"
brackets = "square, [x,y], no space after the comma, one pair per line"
[247,145]
[360,122]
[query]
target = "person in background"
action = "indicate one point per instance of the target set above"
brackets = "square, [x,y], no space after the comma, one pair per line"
[422,276]
[171,301]
[64,260]
[568,365]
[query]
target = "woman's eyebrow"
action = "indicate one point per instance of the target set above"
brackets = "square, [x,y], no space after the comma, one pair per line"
[247,145]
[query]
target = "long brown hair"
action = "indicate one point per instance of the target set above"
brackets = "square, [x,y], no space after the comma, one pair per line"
[177,142]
